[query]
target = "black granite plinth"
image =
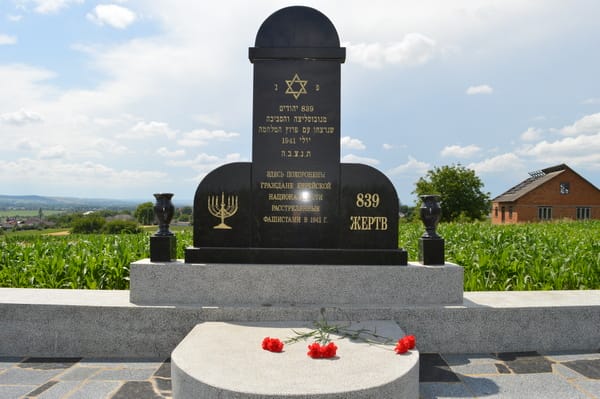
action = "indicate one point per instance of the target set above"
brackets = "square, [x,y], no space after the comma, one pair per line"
[163,248]
[300,256]
[431,251]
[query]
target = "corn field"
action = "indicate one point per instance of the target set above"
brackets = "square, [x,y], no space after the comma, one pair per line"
[544,256]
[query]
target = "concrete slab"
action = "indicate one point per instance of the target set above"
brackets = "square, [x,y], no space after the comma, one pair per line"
[225,360]
[58,323]
[178,283]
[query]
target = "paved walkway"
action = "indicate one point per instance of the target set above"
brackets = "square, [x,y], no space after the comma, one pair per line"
[503,375]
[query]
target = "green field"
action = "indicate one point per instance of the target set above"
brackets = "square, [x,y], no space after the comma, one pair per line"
[544,256]
[26,213]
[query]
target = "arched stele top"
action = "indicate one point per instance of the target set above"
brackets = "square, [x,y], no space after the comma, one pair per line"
[297,26]
[297,32]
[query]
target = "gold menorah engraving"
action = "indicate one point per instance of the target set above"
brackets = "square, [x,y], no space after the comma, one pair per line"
[222,210]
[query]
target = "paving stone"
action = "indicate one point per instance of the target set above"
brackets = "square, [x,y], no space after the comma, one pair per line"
[15,391]
[137,390]
[8,362]
[18,376]
[163,385]
[592,387]
[43,363]
[474,368]
[571,355]
[443,390]
[42,388]
[164,370]
[502,369]
[454,359]
[125,362]
[510,356]
[59,391]
[79,373]
[124,375]
[526,362]
[96,390]
[432,368]
[523,386]
[566,372]
[587,367]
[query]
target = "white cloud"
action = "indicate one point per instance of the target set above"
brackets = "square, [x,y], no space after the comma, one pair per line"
[7,40]
[14,18]
[54,152]
[88,176]
[113,15]
[583,150]
[414,49]
[412,167]
[51,6]
[531,134]
[201,137]
[498,164]
[26,144]
[387,147]
[164,152]
[354,144]
[143,130]
[591,101]
[20,117]
[460,152]
[481,89]
[351,158]
[587,124]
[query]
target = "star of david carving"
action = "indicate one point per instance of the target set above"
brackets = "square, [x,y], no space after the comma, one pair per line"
[301,84]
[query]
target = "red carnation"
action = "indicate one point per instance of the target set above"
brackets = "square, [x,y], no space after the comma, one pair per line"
[272,344]
[411,341]
[316,351]
[401,346]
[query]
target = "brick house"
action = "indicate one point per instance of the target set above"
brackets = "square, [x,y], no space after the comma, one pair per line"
[557,192]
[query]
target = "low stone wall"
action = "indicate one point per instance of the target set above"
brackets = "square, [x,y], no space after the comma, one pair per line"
[36,322]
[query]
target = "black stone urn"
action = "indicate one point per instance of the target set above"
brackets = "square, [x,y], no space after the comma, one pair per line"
[431,212]
[163,211]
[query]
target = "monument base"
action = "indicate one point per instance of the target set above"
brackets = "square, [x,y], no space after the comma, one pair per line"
[431,251]
[163,248]
[202,367]
[297,256]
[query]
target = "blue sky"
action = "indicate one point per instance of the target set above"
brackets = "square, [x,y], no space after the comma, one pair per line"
[126,98]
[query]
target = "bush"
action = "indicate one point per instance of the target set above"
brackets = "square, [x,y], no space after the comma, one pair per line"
[88,225]
[121,227]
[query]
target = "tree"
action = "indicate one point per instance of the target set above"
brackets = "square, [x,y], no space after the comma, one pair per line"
[460,192]
[88,224]
[144,213]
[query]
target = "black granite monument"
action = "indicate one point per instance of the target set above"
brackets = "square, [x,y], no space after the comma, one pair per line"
[295,203]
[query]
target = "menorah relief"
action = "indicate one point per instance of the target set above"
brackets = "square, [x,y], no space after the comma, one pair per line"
[223,209]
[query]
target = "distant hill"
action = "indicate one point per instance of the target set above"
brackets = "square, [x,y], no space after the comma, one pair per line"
[63,203]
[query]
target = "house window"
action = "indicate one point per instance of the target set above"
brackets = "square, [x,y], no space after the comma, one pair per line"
[545,213]
[583,213]
[510,211]
[496,211]
[564,188]
[502,210]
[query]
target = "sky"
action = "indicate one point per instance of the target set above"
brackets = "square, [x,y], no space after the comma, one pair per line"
[124,98]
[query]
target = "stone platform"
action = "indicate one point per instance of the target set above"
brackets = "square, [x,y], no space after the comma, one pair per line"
[179,283]
[225,360]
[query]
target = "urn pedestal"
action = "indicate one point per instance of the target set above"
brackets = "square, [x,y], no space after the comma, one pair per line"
[431,245]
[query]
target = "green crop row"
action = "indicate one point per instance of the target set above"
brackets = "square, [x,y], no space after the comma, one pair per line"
[560,255]
[535,256]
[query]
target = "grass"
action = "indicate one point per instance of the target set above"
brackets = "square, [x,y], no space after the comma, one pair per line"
[544,256]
